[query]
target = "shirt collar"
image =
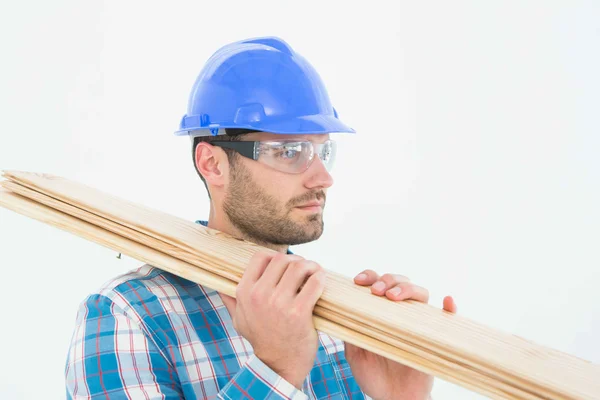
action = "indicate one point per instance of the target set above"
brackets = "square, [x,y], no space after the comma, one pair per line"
[205,223]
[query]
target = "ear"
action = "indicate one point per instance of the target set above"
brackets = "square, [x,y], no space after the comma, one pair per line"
[212,163]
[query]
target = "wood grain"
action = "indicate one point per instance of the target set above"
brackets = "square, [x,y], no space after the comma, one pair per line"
[449,346]
[155,258]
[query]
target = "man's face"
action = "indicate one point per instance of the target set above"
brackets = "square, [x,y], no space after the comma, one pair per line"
[264,203]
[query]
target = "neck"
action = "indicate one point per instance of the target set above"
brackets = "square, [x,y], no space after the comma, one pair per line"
[220,222]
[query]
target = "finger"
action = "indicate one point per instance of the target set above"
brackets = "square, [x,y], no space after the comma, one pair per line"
[386,282]
[295,277]
[311,292]
[256,267]
[367,277]
[275,270]
[450,305]
[408,291]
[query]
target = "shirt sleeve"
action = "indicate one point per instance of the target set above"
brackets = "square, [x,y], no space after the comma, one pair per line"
[110,356]
[256,380]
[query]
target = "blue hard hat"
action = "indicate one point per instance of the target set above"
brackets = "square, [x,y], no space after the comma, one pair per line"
[259,84]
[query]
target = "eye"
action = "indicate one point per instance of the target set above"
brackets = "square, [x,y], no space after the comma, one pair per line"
[289,152]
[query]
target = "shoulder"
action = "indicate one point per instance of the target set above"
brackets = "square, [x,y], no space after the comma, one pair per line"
[149,292]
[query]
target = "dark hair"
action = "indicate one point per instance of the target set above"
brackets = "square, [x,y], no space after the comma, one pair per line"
[231,134]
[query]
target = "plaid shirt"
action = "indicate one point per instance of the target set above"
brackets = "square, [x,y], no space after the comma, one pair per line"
[149,334]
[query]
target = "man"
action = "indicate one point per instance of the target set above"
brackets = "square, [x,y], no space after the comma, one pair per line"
[260,121]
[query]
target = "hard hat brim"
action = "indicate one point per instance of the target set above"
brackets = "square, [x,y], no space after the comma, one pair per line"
[309,124]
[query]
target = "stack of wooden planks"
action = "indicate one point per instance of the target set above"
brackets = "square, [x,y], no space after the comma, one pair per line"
[451,347]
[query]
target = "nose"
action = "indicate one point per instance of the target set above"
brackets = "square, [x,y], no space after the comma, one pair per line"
[317,175]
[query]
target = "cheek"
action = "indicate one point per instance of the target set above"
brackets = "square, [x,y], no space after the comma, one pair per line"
[278,185]
[280,188]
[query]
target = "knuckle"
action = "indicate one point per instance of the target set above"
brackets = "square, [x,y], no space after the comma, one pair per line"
[279,257]
[309,272]
[394,279]
[298,267]
[279,305]
[312,266]
[407,287]
[291,259]
[285,261]
[320,274]
[389,279]
[260,256]
[307,265]
[294,312]
[316,282]
[256,297]
[276,260]
[271,304]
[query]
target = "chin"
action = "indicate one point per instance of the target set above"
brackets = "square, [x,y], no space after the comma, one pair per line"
[314,234]
[308,234]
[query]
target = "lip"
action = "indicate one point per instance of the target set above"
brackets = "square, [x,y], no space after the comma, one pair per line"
[312,204]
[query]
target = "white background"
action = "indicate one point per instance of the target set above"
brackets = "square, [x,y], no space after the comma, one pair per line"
[475,170]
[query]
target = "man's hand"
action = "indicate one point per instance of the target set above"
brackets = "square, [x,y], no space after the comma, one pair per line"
[274,312]
[377,376]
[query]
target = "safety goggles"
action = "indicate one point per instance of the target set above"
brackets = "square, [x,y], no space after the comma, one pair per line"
[289,156]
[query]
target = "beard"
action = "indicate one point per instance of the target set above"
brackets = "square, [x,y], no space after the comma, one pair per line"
[261,218]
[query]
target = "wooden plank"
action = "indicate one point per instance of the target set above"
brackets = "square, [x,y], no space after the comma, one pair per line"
[527,366]
[426,357]
[370,296]
[79,227]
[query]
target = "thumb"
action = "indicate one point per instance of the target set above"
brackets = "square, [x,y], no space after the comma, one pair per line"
[230,302]
[350,348]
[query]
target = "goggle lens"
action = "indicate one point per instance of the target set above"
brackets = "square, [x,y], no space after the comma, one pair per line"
[295,157]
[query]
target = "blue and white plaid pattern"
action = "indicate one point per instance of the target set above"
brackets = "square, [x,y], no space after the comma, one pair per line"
[149,334]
